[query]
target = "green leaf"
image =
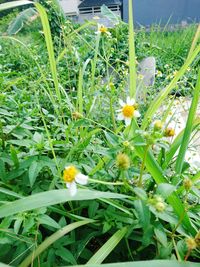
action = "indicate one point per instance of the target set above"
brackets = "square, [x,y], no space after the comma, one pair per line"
[161,236]
[33,172]
[2,170]
[108,247]
[45,219]
[165,189]
[14,157]
[66,255]
[154,263]
[143,213]
[13,4]
[49,198]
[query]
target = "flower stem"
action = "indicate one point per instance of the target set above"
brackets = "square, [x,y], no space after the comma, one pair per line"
[143,166]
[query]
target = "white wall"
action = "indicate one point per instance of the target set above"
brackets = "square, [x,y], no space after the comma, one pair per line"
[70,6]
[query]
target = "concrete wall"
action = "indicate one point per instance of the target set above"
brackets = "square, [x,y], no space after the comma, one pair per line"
[70,6]
[147,12]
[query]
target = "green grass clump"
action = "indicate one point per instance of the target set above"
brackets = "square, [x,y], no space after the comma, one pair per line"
[68,118]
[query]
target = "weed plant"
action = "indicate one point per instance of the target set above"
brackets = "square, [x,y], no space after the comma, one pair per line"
[88,172]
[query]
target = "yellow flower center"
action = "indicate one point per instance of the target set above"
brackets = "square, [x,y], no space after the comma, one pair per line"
[103,29]
[169,132]
[70,174]
[128,111]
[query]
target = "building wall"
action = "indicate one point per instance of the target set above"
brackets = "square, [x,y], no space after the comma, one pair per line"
[102,20]
[70,6]
[147,12]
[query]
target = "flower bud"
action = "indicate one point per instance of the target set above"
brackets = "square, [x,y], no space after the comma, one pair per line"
[157,125]
[169,132]
[126,143]
[187,183]
[197,239]
[191,243]
[76,115]
[123,161]
[160,206]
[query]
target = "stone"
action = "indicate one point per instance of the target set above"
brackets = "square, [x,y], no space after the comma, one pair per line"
[147,70]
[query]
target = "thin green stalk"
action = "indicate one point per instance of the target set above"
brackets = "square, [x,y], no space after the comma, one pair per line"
[95,62]
[52,185]
[132,61]
[143,166]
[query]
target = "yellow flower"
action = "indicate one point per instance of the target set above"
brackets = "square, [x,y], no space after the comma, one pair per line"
[71,176]
[128,111]
[103,30]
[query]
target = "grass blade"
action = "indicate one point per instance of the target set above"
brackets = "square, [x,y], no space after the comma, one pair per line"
[195,41]
[49,198]
[14,4]
[152,263]
[107,248]
[51,239]
[49,44]
[188,128]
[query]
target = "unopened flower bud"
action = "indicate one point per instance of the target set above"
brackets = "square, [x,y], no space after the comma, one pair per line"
[187,183]
[197,239]
[160,206]
[123,161]
[158,198]
[76,115]
[126,143]
[169,132]
[191,243]
[157,125]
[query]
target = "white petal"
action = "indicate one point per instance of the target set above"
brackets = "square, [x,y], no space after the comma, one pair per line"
[68,185]
[127,121]
[120,117]
[121,103]
[136,114]
[67,167]
[81,178]
[72,189]
[130,101]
